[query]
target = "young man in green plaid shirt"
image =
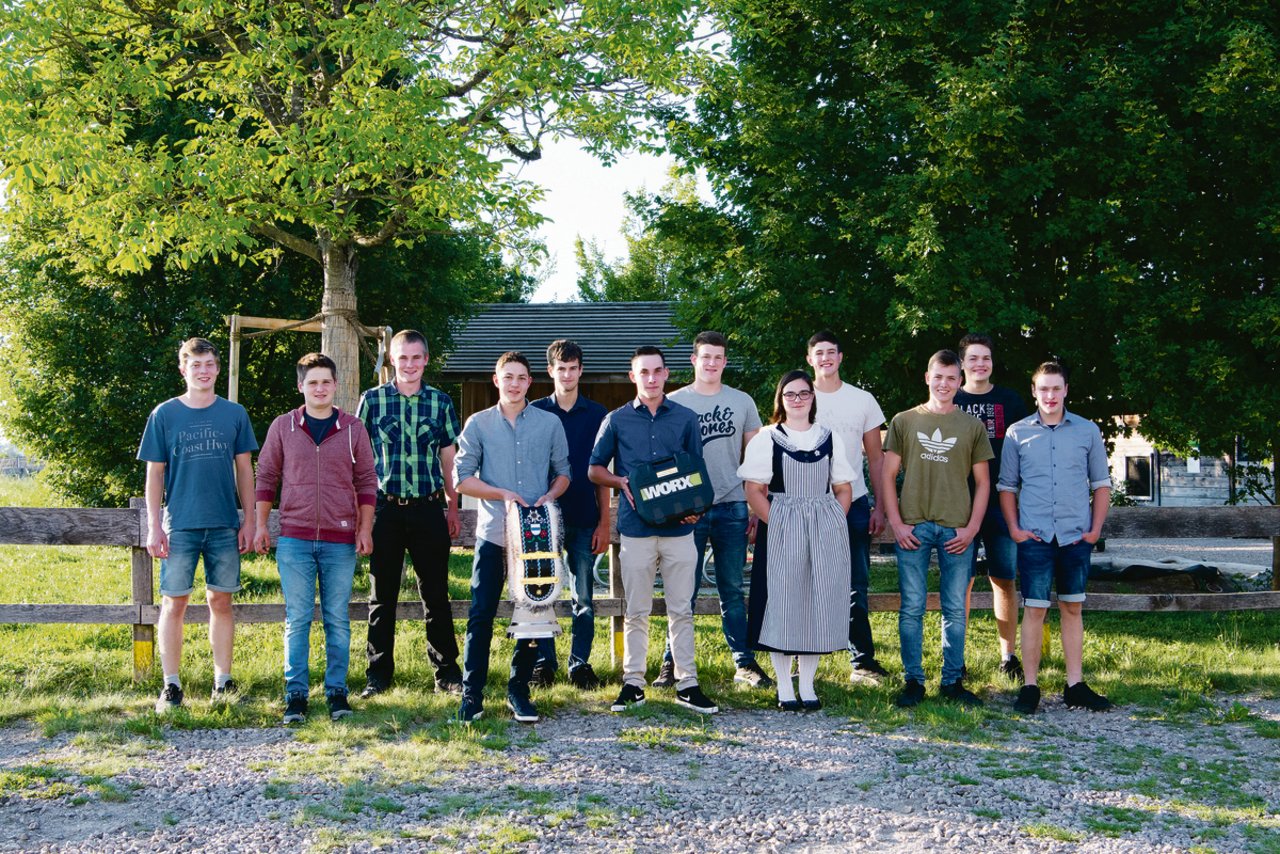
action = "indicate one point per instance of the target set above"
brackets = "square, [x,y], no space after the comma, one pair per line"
[414,429]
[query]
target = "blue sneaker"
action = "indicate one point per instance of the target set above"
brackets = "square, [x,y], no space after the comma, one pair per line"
[522,708]
[472,709]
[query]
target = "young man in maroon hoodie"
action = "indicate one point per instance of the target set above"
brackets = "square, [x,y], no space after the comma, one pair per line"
[321,460]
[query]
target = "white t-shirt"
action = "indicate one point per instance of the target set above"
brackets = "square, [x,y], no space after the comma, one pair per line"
[850,412]
[757,462]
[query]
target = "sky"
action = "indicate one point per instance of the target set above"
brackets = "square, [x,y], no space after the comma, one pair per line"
[584,199]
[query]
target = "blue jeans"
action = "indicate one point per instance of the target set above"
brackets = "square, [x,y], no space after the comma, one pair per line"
[862,649]
[1002,551]
[301,563]
[913,575]
[577,545]
[724,526]
[488,577]
[221,550]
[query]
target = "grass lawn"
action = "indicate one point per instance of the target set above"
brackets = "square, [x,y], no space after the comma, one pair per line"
[1162,665]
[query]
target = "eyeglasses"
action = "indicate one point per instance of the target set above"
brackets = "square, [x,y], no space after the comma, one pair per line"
[796,396]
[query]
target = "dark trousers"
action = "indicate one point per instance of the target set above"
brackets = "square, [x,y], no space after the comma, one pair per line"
[862,649]
[488,579]
[421,530]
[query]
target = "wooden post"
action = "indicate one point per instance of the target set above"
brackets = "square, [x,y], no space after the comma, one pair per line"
[142,577]
[233,361]
[615,592]
[1275,563]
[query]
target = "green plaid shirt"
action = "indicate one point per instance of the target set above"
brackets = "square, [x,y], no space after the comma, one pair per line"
[407,434]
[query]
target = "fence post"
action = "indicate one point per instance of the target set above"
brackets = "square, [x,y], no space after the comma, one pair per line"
[142,568]
[615,592]
[1275,563]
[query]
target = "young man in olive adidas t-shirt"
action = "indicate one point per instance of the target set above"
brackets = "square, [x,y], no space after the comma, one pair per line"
[937,447]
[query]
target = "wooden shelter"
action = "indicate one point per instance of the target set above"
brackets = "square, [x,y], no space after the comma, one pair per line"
[607,332]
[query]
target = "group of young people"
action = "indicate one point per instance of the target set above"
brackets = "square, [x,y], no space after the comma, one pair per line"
[387,480]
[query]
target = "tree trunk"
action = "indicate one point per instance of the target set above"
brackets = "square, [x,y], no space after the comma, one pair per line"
[340,340]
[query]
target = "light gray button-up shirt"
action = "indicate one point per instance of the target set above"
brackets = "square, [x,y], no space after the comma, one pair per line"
[524,459]
[1054,470]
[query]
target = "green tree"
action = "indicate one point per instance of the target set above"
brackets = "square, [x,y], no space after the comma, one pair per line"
[1099,181]
[87,357]
[327,130]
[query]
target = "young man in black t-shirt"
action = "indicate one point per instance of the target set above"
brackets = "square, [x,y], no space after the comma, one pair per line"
[997,407]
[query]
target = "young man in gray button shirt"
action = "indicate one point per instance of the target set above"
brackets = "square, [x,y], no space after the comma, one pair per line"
[1054,468]
[511,452]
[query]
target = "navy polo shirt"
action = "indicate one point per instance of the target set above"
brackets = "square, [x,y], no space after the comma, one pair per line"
[630,436]
[581,424]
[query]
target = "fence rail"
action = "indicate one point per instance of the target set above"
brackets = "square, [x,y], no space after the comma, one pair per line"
[45,526]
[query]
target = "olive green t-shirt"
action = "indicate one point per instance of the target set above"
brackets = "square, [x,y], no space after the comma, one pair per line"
[938,453]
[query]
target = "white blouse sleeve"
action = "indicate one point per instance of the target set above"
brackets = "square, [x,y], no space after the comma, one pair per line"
[757,460]
[841,471]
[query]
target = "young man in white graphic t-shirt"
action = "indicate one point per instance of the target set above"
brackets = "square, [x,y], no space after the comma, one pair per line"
[853,415]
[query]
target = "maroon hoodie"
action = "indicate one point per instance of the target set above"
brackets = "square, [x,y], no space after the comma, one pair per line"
[321,486]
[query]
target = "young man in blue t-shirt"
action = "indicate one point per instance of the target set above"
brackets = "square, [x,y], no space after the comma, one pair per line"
[198,450]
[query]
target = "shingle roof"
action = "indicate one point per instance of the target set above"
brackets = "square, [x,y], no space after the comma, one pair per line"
[608,332]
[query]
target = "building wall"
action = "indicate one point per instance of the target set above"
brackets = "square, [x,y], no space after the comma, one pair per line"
[1174,481]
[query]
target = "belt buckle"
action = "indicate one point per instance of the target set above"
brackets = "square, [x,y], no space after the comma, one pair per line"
[403,502]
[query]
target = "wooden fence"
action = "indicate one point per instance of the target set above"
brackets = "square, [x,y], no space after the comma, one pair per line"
[127,528]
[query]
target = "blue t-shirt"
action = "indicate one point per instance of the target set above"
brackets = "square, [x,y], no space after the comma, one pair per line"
[198,448]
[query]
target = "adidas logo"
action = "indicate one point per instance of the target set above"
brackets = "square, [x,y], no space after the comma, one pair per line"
[936,443]
[936,446]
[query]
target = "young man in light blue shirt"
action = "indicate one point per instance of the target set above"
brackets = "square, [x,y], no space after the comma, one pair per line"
[509,453]
[1055,488]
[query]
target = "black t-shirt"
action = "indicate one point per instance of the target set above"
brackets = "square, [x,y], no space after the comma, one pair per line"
[319,427]
[996,409]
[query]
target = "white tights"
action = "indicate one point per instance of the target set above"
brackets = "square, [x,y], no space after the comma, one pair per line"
[807,667]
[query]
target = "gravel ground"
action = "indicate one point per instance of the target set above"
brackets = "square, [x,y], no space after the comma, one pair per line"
[659,779]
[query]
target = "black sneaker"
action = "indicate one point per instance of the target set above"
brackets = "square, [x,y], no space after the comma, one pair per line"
[912,694]
[470,710]
[693,698]
[666,675]
[630,697]
[339,708]
[752,674]
[957,693]
[811,705]
[1081,696]
[544,676]
[1012,669]
[170,698]
[522,708]
[295,708]
[584,678]
[869,672]
[228,693]
[1028,700]
[448,685]
[373,689]
[790,705]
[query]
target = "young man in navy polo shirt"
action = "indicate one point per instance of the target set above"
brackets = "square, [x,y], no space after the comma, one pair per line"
[649,428]
[1055,489]
[584,507]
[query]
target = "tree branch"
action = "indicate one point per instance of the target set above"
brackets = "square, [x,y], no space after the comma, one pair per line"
[288,241]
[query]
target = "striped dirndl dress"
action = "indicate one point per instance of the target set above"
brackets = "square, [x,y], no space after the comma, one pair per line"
[800,576]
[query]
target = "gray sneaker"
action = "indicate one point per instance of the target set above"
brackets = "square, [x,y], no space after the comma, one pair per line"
[752,674]
[666,675]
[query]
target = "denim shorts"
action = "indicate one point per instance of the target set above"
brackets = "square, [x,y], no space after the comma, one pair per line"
[221,550]
[1002,555]
[1042,564]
